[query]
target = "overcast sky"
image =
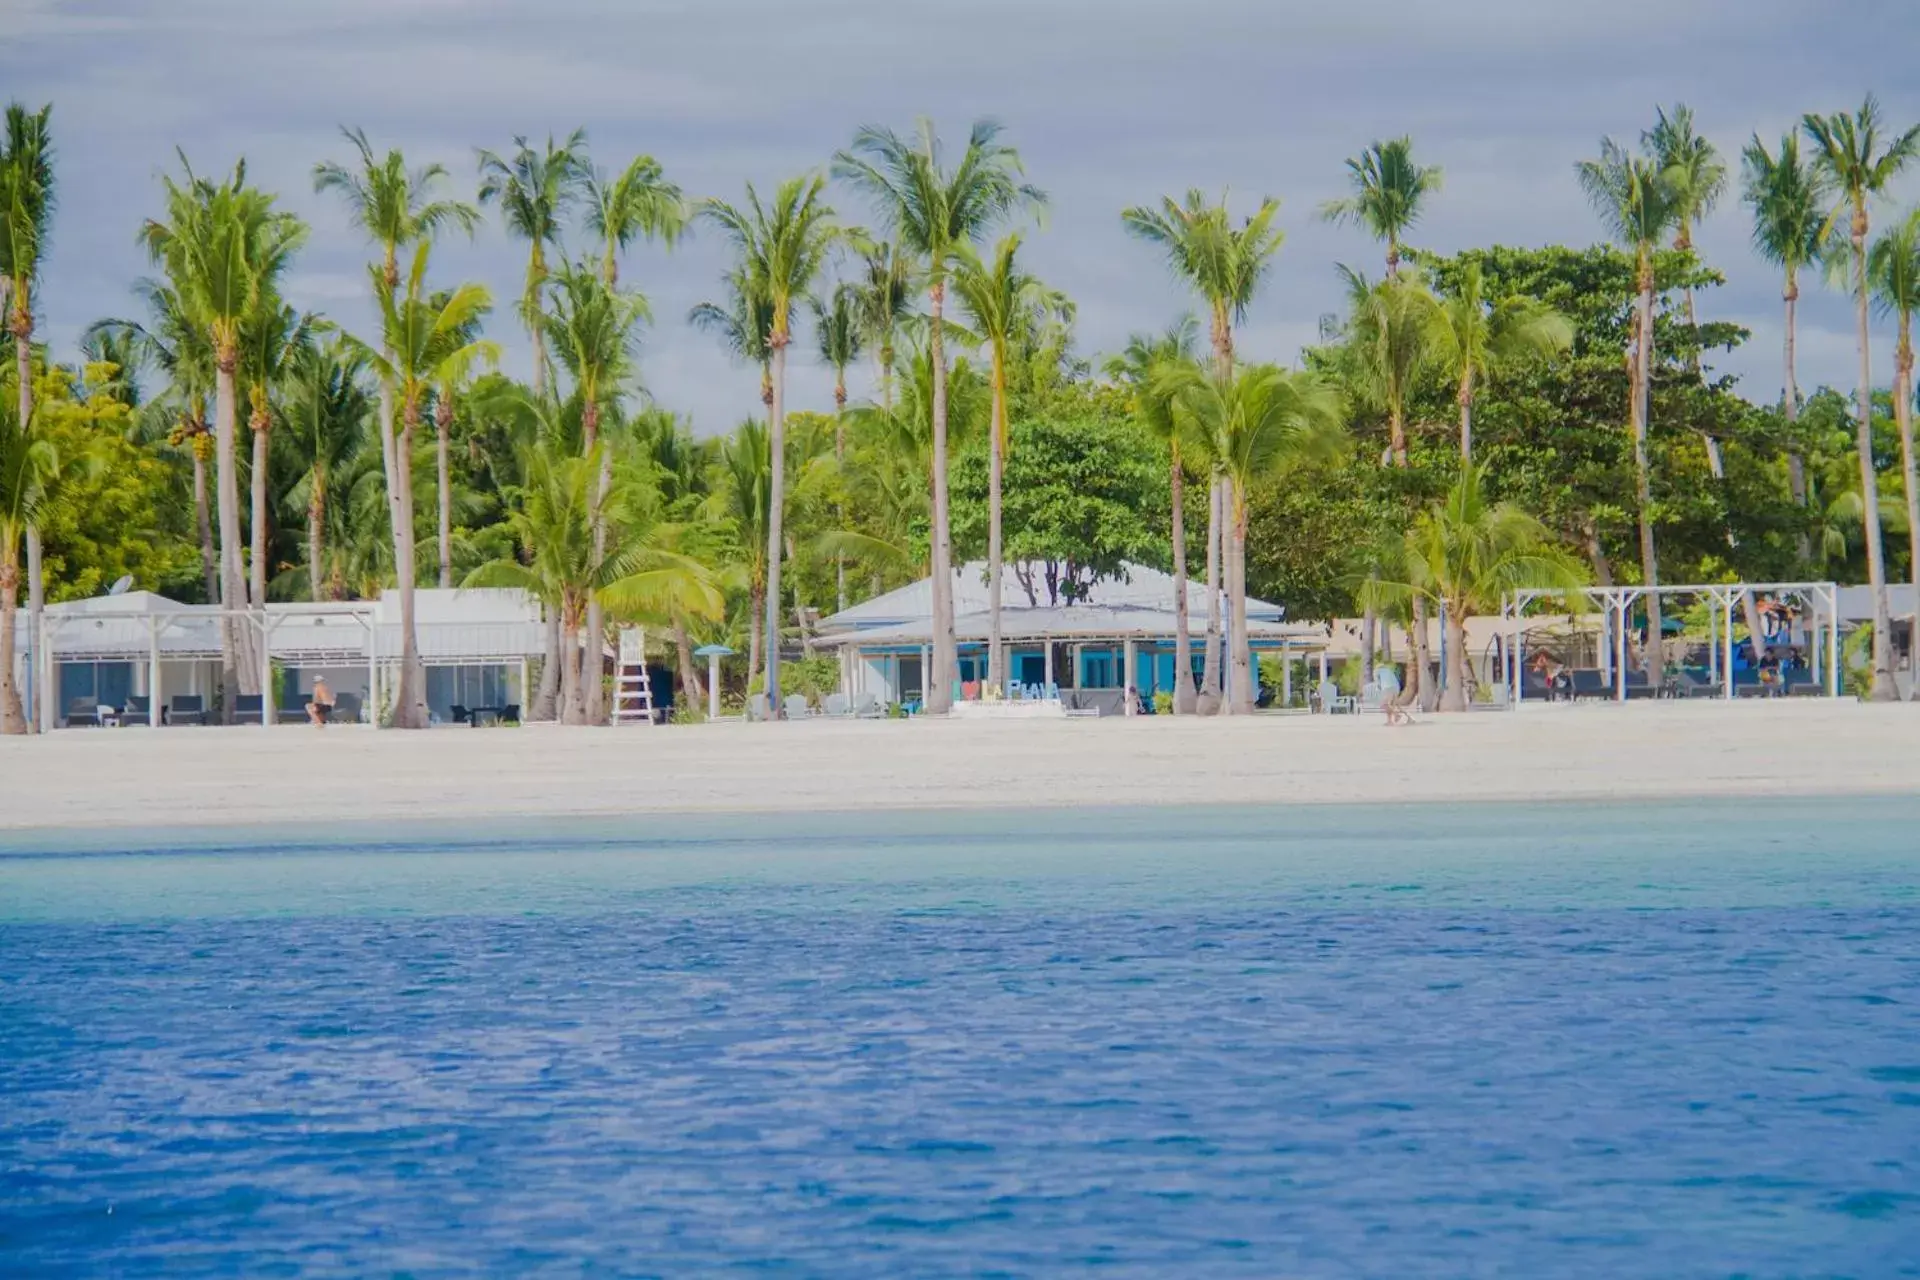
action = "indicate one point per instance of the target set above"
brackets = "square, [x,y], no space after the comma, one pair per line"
[1111,102]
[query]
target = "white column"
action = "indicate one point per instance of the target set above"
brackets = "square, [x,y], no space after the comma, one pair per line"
[1286,675]
[1128,662]
[1833,642]
[153,673]
[266,671]
[926,673]
[373,669]
[1049,654]
[1620,651]
[713,686]
[1726,639]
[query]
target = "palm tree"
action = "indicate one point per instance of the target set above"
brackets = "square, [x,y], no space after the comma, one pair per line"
[534,191]
[638,204]
[26,221]
[886,299]
[1474,339]
[1389,192]
[744,498]
[325,413]
[1858,164]
[744,322]
[1139,366]
[115,363]
[224,247]
[1638,206]
[586,545]
[1391,340]
[1226,266]
[1788,198]
[1697,176]
[1464,555]
[421,335]
[836,325]
[272,341]
[29,471]
[454,377]
[1002,301]
[931,212]
[782,246]
[1893,268]
[1261,421]
[595,328]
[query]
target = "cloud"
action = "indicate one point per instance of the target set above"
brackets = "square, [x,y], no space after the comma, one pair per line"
[1111,101]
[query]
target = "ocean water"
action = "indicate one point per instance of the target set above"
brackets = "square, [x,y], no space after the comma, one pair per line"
[1635,1040]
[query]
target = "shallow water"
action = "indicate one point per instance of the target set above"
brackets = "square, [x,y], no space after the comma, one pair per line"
[1647,1040]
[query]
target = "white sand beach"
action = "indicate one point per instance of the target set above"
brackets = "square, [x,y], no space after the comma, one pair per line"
[292,774]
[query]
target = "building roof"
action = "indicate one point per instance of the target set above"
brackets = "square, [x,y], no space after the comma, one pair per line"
[1021,624]
[1139,587]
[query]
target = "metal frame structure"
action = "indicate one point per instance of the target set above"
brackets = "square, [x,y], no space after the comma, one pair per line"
[1617,603]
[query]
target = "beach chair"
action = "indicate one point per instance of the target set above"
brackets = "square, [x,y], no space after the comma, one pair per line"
[295,714]
[836,706]
[1638,686]
[139,711]
[796,706]
[83,713]
[246,708]
[346,709]
[460,714]
[187,708]
[1332,701]
[1372,698]
[866,706]
[757,707]
[1590,682]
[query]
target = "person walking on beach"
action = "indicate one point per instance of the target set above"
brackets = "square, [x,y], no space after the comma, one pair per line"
[321,705]
[1387,681]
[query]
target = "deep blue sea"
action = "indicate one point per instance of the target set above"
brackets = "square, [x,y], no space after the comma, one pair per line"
[1655,1040]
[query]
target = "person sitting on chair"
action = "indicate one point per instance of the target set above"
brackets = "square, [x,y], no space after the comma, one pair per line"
[321,705]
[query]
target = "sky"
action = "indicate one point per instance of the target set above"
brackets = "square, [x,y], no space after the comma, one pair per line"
[1110,103]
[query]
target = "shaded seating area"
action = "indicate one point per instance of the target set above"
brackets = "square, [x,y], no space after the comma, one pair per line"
[187,708]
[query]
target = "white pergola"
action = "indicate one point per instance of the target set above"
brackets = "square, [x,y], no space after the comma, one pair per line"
[1616,603]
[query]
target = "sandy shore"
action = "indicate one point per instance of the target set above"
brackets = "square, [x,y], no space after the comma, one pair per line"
[106,778]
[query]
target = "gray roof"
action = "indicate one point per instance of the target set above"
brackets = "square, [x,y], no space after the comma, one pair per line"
[1068,622]
[1140,587]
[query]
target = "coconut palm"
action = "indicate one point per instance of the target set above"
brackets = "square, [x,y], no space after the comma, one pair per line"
[1893,270]
[273,340]
[1638,206]
[26,221]
[744,323]
[886,289]
[1697,176]
[224,246]
[1226,266]
[325,414]
[1463,556]
[116,363]
[1859,163]
[1139,366]
[744,498]
[29,471]
[1788,197]
[638,204]
[1389,194]
[931,211]
[421,335]
[841,337]
[594,328]
[1001,301]
[782,245]
[534,190]
[1474,339]
[1261,421]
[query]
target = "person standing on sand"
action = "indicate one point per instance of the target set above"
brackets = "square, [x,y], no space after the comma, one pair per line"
[1387,681]
[321,705]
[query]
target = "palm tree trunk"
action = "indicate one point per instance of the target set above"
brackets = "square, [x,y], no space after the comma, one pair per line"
[840,460]
[1458,667]
[240,673]
[204,518]
[443,422]
[939,682]
[12,721]
[1642,392]
[776,510]
[1369,628]
[316,535]
[1240,697]
[1883,688]
[1466,418]
[410,698]
[570,667]
[691,690]
[546,700]
[756,606]
[1182,642]
[36,579]
[996,673]
[1420,688]
[593,692]
[1790,393]
[1910,479]
[258,565]
[1210,661]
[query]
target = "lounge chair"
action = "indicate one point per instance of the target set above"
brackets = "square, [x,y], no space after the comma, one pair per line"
[510,714]
[836,706]
[138,711]
[187,708]
[295,714]
[1372,698]
[796,706]
[460,714]
[1332,701]
[346,709]
[83,713]
[1638,686]
[1589,682]
[757,707]
[246,708]
[866,706]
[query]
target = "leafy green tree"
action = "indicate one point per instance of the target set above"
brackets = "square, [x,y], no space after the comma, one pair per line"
[1389,193]
[1638,204]
[933,211]
[782,247]
[534,190]
[1788,198]
[1893,269]
[1858,165]
[1464,556]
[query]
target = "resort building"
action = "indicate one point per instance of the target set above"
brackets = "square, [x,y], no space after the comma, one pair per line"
[107,658]
[1090,641]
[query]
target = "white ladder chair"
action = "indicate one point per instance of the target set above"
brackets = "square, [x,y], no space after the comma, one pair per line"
[632,689]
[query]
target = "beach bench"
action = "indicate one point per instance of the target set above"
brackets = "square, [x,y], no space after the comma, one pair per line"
[246,708]
[187,708]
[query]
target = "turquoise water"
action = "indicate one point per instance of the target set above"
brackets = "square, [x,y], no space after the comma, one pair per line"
[1646,1040]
